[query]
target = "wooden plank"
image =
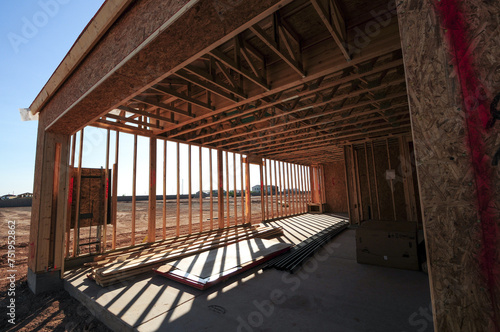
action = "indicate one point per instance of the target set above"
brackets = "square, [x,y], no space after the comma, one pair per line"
[300,189]
[248,200]
[276,192]
[184,97]
[358,185]
[322,177]
[211,191]
[152,190]
[242,191]
[335,32]
[304,188]
[228,223]
[391,181]
[369,181]
[190,199]
[375,177]
[211,83]
[242,71]
[149,114]
[271,182]
[411,209]
[296,189]
[114,205]
[209,86]
[71,171]
[114,201]
[261,34]
[281,190]
[165,107]
[220,188]
[264,167]
[60,195]
[306,93]
[292,189]
[134,190]
[123,119]
[76,238]
[164,225]
[262,200]
[178,212]
[234,195]
[200,167]
[347,184]
[289,202]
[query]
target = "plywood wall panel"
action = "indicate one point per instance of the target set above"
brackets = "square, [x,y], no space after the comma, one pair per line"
[335,187]
[462,242]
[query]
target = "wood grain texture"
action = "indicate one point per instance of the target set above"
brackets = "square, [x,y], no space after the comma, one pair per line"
[335,187]
[460,295]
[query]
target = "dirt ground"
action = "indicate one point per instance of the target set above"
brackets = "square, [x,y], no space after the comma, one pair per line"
[60,312]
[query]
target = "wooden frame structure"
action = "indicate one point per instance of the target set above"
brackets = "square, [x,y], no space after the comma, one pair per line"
[299,85]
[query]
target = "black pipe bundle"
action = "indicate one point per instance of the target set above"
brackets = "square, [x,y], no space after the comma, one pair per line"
[293,259]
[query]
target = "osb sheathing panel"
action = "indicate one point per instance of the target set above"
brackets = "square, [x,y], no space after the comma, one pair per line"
[335,187]
[92,195]
[199,27]
[461,297]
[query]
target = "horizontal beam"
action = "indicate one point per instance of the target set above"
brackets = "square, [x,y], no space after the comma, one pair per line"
[163,106]
[205,76]
[132,120]
[184,97]
[305,107]
[237,68]
[148,114]
[265,104]
[337,30]
[275,48]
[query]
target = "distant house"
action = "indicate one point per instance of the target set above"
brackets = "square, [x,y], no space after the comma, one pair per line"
[8,196]
[25,195]
[269,188]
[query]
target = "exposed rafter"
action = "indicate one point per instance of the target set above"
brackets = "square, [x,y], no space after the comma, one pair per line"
[335,24]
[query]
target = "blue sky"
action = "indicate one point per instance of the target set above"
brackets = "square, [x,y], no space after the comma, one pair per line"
[27,60]
[35,35]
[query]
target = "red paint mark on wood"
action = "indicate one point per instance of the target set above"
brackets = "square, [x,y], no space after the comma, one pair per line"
[475,101]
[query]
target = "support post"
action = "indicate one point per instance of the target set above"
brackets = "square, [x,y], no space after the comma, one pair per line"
[211,191]
[49,208]
[242,191]
[450,65]
[134,189]
[248,202]
[178,211]
[190,199]
[220,189]
[152,191]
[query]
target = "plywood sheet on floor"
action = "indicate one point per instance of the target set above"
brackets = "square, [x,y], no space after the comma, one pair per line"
[330,293]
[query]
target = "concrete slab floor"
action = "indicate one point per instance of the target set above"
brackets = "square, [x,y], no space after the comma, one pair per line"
[330,293]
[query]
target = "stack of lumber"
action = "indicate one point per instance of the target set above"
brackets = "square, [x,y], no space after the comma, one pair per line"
[126,263]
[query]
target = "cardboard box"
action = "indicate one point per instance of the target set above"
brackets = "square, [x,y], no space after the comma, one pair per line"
[388,243]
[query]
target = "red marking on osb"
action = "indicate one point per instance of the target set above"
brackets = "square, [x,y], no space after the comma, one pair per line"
[475,102]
